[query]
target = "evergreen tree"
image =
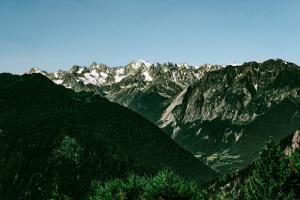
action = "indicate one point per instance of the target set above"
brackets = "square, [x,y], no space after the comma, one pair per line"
[266,178]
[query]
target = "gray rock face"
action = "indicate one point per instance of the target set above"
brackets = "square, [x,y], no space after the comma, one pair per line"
[294,146]
[238,94]
[232,106]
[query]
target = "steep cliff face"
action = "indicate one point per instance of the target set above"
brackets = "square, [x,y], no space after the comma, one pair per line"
[228,114]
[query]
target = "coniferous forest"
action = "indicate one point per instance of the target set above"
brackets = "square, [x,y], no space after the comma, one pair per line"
[58,142]
[273,175]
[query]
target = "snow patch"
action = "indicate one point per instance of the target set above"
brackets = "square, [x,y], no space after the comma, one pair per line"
[118,78]
[255,86]
[80,71]
[94,73]
[104,75]
[237,136]
[175,132]
[89,79]
[147,76]
[174,77]
[58,82]
[234,64]
[56,74]
[120,74]
[199,131]
[36,70]
[94,77]
[205,137]
[137,64]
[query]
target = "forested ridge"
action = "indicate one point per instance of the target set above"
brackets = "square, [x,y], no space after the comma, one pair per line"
[57,142]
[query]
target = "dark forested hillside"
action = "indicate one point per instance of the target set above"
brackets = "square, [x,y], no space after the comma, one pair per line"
[275,174]
[55,142]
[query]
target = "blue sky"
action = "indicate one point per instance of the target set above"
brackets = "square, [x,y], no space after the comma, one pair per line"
[56,34]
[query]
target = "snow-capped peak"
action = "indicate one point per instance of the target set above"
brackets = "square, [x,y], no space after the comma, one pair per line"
[34,70]
[138,63]
[102,75]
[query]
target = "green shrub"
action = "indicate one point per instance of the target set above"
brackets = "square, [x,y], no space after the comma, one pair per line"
[166,185]
[109,190]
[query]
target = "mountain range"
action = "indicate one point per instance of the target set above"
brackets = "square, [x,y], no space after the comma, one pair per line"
[221,114]
[135,85]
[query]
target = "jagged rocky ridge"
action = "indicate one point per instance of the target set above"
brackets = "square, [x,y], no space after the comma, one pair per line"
[141,86]
[222,115]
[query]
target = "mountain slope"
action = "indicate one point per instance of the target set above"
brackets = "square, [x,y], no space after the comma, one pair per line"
[226,117]
[55,141]
[214,112]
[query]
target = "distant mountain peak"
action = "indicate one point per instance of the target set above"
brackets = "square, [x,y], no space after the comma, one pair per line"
[37,70]
[139,63]
[34,70]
